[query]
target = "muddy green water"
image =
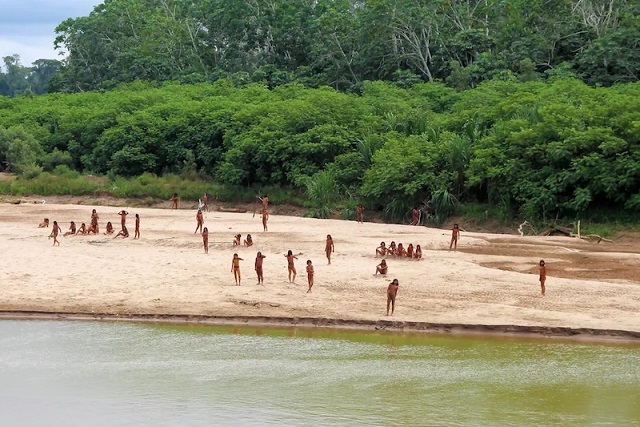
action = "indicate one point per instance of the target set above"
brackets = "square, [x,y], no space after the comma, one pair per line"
[55,373]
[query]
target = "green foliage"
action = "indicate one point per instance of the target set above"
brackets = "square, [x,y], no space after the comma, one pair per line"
[322,192]
[444,203]
[20,148]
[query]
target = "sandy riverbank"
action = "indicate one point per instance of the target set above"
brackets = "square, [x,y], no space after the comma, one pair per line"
[490,280]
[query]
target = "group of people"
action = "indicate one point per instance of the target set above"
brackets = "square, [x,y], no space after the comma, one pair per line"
[93,228]
[399,250]
[235,268]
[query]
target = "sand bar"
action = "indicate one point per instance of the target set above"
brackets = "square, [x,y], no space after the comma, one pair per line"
[490,281]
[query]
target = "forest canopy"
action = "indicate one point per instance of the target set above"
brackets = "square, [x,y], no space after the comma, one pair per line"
[532,148]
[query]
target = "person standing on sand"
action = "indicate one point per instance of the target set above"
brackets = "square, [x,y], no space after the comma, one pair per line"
[136,233]
[258,268]
[175,201]
[235,268]
[205,202]
[93,228]
[392,291]
[543,276]
[199,221]
[123,218]
[309,275]
[360,213]
[265,202]
[205,240]
[290,266]
[455,235]
[265,218]
[415,216]
[329,247]
[54,232]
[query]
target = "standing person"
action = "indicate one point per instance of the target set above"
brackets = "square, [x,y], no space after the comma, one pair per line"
[360,213]
[455,235]
[54,232]
[123,218]
[235,268]
[72,229]
[309,275]
[265,202]
[175,201]
[415,216]
[136,233]
[543,276]
[329,247]
[265,218]
[205,240]
[199,221]
[290,265]
[205,202]
[392,291]
[258,267]
[93,228]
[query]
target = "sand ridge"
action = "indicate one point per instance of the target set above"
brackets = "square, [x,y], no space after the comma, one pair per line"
[491,279]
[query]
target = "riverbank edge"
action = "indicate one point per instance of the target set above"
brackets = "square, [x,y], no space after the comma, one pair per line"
[559,332]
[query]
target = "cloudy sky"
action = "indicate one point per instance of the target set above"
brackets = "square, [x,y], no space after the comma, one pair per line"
[27,26]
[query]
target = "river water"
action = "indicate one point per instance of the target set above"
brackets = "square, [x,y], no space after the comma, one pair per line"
[61,373]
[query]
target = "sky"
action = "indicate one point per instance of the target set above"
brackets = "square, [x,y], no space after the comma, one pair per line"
[27,27]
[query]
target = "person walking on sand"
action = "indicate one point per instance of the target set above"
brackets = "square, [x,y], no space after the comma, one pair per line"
[136,233]
[72,229]
[199,221]
[329,247]
[309,275]
[205,240]
[258,268]
[360,213]
[290,265]
[175,201]
[382,268]
[265,218]
[235,268]
[392,291]
[54,232]
[455,235]
[543,276]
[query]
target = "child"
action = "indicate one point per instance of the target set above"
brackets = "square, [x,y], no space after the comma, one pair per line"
[237,239]
[54,232]
[400,251]
[381,250]
[235,268]
[265,218]
[418,253]
[199,220]
[382,268]
[455,235]
[258,267]
[291,267]
[72,230]
[543,276]
[410,251]
[392,291]
[109,228]
[136,233]
[205,240]
[360,213]
[44,223]
[329,247]
[175,200]
[248,241]
[309,275]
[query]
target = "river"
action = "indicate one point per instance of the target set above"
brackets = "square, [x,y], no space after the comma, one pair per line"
[67,373]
